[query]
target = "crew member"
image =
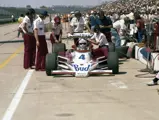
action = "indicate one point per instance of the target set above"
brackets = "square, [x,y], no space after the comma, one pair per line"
[105,24]
[141,26]
[29,39]
[100,38]
[77,24]
[40,41]
[56,34]
[92,20]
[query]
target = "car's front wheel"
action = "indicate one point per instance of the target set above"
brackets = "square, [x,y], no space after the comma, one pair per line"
[51,63]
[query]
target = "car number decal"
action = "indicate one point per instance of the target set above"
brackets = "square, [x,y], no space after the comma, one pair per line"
[82,57]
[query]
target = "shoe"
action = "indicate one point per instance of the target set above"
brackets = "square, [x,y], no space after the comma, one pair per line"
[33,67]
[152,83]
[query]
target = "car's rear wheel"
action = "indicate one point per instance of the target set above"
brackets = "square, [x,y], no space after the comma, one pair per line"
[122,51]
[51,63]
[111,47]
[58,47]
[113,62]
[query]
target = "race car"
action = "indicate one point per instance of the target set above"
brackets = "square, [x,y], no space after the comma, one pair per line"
[81,63]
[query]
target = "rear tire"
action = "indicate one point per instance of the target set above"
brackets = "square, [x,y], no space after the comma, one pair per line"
[122,51]
[111,47]
[58,47]
[113,62]
[51,63]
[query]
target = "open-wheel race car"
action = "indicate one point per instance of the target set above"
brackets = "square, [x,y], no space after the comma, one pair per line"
[81,63]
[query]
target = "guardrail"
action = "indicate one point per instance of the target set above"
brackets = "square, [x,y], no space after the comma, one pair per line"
[7,20]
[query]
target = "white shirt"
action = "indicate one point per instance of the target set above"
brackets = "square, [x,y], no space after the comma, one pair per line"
[57,28]
[101,38]
[119,25]
[78,25]
[122,16]
[131,16]
[39,24]
[29,26]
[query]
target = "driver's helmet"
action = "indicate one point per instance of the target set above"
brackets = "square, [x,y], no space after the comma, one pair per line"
[82,44]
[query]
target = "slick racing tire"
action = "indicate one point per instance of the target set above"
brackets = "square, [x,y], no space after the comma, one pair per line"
[113,62]
[111,47]
[58,47]
[51,63]
[122,51]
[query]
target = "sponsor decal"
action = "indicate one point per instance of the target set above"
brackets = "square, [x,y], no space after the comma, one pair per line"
[81,68]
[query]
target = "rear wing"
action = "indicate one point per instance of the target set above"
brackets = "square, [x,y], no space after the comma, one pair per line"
[80,35]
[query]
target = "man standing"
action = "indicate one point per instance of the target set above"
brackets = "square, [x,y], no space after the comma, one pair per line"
[121,27]
[77,24]
[40,41]
[141,27]
[105,24]
[56,34]
[92,21]
[29,40]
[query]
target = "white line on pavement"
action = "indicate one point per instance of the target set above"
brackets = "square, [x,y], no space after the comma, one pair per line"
[119,84]
[15,101]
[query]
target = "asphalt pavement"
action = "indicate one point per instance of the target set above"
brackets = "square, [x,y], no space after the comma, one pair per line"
[31,95]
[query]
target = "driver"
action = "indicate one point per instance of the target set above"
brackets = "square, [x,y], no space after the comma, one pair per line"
[82,44]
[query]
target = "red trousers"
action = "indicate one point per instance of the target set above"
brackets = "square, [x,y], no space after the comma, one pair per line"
[41,53]
[29,51]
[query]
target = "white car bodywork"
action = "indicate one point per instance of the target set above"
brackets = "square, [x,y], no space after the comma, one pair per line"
[81,64]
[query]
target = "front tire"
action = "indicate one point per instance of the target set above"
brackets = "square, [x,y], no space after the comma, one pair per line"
[51,63]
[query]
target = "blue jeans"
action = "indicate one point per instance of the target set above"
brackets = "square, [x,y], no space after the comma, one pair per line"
[117,37]
[139,36]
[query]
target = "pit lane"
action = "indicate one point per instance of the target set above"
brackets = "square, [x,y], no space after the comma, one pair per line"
[119,97]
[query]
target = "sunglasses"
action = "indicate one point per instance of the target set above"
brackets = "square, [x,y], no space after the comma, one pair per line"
[82,43]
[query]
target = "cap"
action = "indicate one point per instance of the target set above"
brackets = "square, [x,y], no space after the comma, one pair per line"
[44,13]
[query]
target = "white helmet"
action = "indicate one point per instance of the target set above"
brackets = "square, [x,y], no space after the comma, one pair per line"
[83,44]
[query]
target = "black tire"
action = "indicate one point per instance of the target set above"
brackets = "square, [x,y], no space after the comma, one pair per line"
[111,47]
[58,47]
[51,63]
[122,51]
[113,62]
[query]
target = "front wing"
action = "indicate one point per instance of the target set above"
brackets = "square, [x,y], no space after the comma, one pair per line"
[66,68]
[83,74]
